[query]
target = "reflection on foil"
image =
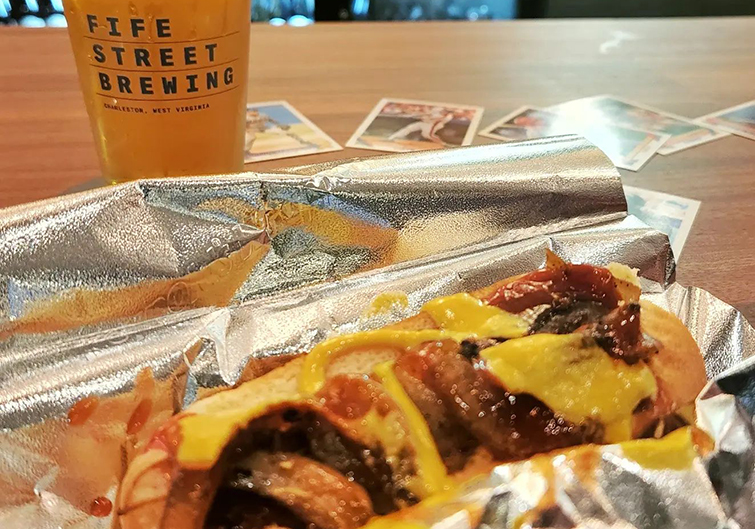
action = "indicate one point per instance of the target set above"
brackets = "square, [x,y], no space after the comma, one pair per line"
[146,248]
[129,278]
[211,285]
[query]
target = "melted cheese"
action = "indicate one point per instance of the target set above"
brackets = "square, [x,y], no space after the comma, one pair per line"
[459,317]
[465,313]
[209,433]
[676,450]
[575,380]
[430,468]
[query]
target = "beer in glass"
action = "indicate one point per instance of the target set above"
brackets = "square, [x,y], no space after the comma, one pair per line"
[164,83]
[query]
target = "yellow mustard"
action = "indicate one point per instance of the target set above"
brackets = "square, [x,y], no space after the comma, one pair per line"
[431,470]
[385,302]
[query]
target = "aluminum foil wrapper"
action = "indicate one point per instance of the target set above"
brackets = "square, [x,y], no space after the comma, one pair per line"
[121,306]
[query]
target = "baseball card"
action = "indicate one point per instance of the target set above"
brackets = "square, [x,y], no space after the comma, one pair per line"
[275,129]
[739,120]
[683,132]
[627,148]
[670,214]
[402,125]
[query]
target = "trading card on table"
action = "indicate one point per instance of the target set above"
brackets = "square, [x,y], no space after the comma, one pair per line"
[627,148]
[684,133]
[401,125]
[527,123]
[275,129]
[669,214]
[739,120]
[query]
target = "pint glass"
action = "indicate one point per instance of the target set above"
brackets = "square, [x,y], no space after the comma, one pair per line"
[164,83]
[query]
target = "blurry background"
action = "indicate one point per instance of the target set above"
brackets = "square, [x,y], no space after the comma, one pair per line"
[40,13]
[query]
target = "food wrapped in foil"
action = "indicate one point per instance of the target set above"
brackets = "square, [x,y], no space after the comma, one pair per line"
[121,306]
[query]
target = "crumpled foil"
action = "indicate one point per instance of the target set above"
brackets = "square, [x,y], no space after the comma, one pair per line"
[121,306]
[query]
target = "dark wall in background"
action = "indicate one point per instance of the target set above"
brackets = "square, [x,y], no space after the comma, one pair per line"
[415,9]
[496,9]
[38,13]
[644,8]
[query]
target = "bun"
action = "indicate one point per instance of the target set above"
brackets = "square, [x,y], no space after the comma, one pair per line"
[678,366]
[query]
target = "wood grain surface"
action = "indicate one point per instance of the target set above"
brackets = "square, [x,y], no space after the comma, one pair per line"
[335,74]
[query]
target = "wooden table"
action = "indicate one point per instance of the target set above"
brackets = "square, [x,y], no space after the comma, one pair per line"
[336,73]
